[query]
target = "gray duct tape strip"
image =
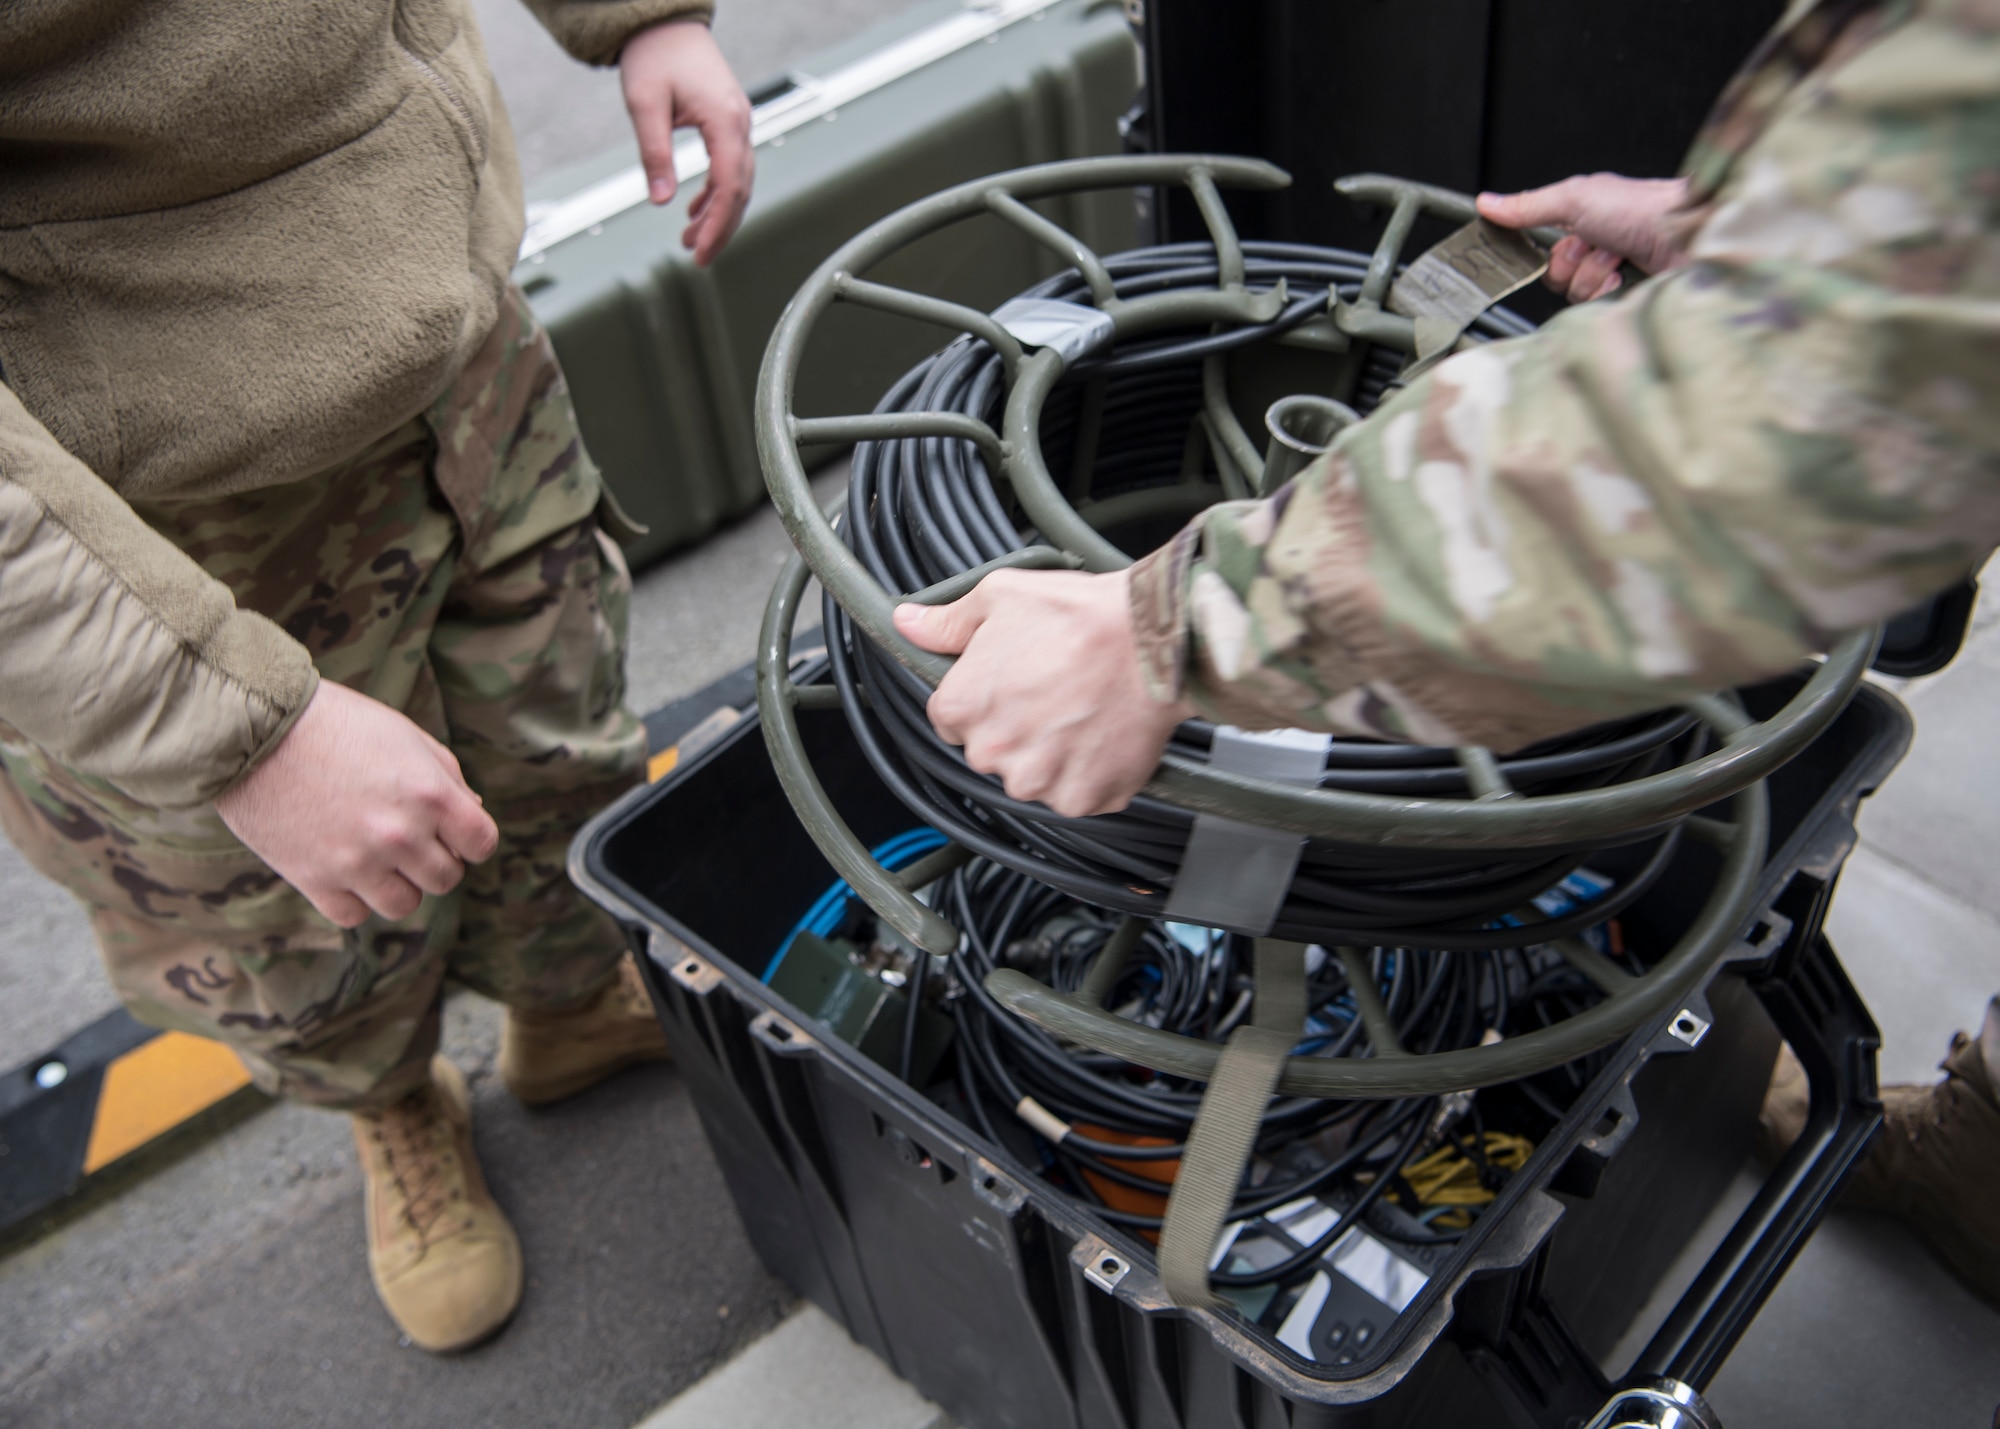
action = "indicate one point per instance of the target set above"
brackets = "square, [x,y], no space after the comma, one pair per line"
[1235,876]
[1070,328]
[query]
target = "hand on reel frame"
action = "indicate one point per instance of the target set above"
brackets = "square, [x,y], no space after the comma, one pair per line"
[1047,691]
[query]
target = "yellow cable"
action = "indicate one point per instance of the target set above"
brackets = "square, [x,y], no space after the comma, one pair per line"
[1447,1178]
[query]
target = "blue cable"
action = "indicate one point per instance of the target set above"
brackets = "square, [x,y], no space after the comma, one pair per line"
[829,911]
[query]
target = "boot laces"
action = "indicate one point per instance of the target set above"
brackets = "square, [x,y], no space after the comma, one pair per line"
[409,1134]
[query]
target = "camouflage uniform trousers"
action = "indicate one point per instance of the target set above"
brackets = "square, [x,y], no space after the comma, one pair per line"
[455,570]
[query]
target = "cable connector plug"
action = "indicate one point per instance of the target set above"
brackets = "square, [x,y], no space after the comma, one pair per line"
[1452,1107]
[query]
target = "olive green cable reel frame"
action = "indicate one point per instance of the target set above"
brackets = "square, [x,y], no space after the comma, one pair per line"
[1245,1072]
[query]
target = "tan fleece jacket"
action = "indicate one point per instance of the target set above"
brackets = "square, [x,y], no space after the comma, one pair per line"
[238,242]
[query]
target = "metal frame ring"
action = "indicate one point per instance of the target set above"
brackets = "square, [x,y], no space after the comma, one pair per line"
[1491,820]
[1535,821]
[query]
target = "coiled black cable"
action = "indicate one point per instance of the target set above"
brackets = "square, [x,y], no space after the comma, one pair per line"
[923,509]
[1199,985]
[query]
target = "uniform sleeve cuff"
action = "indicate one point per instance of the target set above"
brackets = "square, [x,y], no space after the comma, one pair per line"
[1158,590]
[276,736]
[596,33]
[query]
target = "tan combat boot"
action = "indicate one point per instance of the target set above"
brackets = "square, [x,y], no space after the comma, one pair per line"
[1934,1163]
[445,1260]
[546,1056]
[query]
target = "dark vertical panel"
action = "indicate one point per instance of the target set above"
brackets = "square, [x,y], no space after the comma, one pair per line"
[1323,88]
[1393,86]
[1205,81]
[1577,87]
[1465,93]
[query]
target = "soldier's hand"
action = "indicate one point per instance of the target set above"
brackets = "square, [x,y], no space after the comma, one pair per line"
[673,76]
[1047,692]
[1609,219]
[360,810]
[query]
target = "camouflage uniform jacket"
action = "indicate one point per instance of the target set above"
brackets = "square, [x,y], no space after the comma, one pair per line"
[238,245]
[1688,487]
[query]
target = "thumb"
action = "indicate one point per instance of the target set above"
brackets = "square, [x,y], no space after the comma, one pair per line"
[941,629]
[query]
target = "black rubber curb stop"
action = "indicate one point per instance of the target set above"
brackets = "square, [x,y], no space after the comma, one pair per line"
[118,1100]
[106,1105]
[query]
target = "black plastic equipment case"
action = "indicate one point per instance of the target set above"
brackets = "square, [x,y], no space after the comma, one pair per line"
[1619,1253]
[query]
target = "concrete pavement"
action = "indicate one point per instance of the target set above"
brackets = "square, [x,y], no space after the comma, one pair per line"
[806,1371]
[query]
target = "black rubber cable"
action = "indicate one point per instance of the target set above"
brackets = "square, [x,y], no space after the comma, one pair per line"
[912,1012]
[923,509]
[1438,1001]
[1454,933]
[1308,1257]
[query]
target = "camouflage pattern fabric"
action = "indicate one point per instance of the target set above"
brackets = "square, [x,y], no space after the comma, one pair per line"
[455,571]
[1691,486]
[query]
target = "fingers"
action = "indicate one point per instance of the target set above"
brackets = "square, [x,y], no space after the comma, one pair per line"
[731,167]
[1087,801]
[340,908]
[432,868]
[447,761]
[955,710]
[391,896]
[1563,261]
[672,73]
[652,113]
[464,828]
[1506,210]
[393,889]
[1595,276]
[1081,795]
[1031,777]
[1072,787]
[1580,272]
[1047,694]
[360,810]
[692,235]
[382,894]
[1609,213]
[1076,790]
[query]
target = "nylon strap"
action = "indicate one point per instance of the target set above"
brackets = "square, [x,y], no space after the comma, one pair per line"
[1447,288]
[1225,1129]
[1281,987]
